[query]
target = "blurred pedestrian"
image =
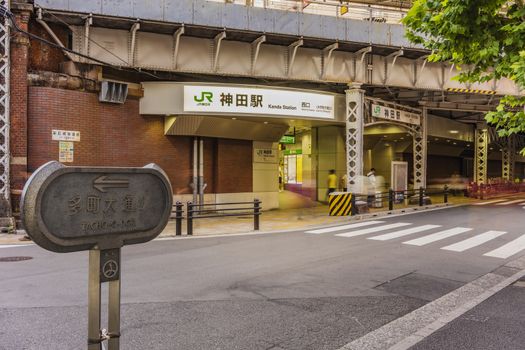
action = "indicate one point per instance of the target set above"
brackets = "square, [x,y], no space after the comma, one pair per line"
[344,182]
[372,183]
[331,182]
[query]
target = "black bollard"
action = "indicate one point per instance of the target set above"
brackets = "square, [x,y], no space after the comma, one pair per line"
[189,207]
[256,214]
[178,218]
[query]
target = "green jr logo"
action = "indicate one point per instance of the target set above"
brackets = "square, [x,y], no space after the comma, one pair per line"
[204,95]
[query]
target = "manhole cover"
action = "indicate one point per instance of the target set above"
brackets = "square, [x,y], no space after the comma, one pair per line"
[15,258]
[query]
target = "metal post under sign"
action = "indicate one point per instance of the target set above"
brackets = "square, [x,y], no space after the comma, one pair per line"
[68,209]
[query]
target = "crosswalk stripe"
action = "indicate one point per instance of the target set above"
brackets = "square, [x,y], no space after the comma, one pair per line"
[508,249]
[438,236]
[490,202]
[474,241]
[372,229]
[344,227]
[15,245]
[511,202]
[403,233]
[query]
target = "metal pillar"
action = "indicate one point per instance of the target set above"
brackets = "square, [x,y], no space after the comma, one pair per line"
[420,153]
[4,107]
[355,98]
[508,157]
[480,161]
[104,266]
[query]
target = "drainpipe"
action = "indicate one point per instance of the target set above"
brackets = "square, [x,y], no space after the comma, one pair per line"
[194,184]
[53,35]
[202,184]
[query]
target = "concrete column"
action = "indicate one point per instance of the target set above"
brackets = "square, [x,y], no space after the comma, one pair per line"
[508,156]
[420,153]
[355,99]
[330,151]
[480,155]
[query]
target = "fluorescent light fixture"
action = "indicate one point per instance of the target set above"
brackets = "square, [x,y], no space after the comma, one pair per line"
[453,131]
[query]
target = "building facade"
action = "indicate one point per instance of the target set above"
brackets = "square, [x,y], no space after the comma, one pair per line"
[236,102]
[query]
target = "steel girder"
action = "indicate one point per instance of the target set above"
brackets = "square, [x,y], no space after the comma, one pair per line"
[4,108]
[481,155]
[154,51]
[355,103]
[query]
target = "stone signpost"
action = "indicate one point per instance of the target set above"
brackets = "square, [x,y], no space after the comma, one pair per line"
[68,209]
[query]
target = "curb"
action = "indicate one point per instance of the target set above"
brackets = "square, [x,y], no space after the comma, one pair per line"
[362,217]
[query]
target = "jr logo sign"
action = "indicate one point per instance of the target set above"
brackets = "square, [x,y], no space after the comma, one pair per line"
[205,95]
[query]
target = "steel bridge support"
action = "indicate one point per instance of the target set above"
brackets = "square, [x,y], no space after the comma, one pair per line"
[508,157]
[355,103]
[480,155]
[5,68]
[420,152]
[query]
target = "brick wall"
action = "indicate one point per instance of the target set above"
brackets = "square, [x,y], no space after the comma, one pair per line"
[18,108]
[110,135]
[233,163]
[43,57]
[116,135]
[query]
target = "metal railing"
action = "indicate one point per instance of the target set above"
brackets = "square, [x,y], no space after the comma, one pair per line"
[202,211]
[409,197]
[483,191]
[374,13]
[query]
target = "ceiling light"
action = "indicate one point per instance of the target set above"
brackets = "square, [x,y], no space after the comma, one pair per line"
[234,118]
[453,131]
[454,143]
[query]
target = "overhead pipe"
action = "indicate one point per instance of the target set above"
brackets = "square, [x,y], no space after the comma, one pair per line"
[53,35]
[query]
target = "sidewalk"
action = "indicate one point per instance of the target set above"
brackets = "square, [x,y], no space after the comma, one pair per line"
[291,218]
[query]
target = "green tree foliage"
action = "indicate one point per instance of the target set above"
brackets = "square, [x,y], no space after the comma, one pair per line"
[484,37]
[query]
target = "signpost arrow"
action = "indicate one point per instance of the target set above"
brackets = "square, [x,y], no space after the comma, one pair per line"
[102,183]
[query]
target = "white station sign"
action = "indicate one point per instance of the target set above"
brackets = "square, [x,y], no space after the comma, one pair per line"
[395,114]
[240,100]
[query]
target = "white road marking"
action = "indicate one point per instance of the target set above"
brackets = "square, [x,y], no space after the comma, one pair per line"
[15,245]
[474,241]
[372,229]
[403,233]
[438,236]
[490,202]
[406,331]
[344,227]
[511,202]
[508,249]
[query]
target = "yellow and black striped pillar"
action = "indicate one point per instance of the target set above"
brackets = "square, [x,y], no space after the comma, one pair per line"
[340,203]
